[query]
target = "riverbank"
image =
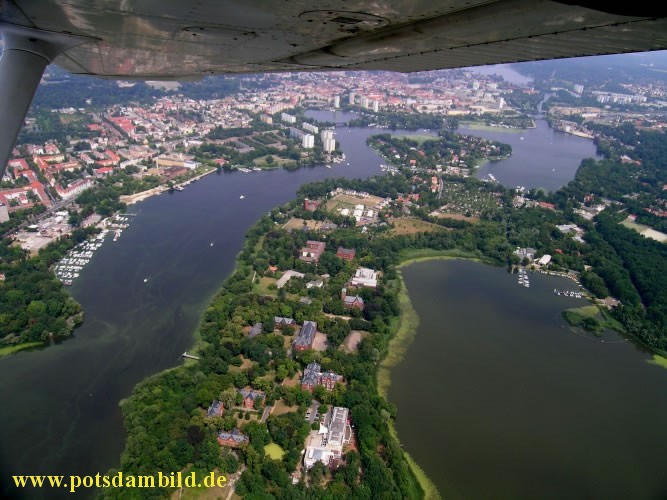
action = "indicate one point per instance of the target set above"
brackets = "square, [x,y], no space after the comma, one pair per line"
[403,336]
[13,349]
[131,199]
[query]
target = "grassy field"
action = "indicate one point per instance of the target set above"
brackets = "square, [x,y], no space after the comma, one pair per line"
[277,162]
[351,342]
[473,220]
[296,224]
[645,231]
[342,201]
[280,408]
[411,225]
[11,349]
[420,138]
[482,126]
[263,287]
[274,451]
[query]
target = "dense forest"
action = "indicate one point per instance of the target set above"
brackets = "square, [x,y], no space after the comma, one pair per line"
[33,303]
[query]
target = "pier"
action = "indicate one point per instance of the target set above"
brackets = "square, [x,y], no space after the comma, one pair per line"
[189,356]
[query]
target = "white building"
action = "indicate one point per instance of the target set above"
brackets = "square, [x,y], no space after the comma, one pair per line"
[579,89]
[364,102]
[329,145]
[376,106]
[326,134]
[544,260]
[311,128]
[4,213]
[328,444]
[287,118]
[365,277]
[352,98]
[336,103]
[308,141]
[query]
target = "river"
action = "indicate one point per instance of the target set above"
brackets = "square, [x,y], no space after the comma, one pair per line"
[498,398]
[60,411]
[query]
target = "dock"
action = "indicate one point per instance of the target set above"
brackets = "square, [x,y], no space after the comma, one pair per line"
[189,356]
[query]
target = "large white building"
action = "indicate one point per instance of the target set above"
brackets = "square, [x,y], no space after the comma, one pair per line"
[311,128]
[376,106]
[334,433]
[326,134]
[287,118]
[352,98]
[365,277]
[308,141]
[336,103]
[329,145]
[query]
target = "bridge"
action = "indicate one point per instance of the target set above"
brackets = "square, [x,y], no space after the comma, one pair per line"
[189,356]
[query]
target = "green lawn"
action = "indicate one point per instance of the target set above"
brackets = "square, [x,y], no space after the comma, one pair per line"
[263,287]
[274,451]
[420,138]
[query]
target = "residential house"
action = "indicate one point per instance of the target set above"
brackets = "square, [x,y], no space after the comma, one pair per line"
[255,330]
[306,336]
[351,301]
[250,396]
[233,439]
[314,376]
[312,251]
[216,409]
[346,253]
[279,321]
[310,205]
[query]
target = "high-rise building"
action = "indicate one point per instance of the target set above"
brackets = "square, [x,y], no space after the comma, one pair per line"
[475,85]
[376,106]
[337,101]
[287,118]
[327,133]
[352,98]
[364,102]
[308,141]
[311,128]
[4,213]
[579,89]
[329,144]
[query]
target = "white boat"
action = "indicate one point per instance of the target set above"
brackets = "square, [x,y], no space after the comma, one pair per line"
[328,166]
[145,280]
[211,243]
[241,197]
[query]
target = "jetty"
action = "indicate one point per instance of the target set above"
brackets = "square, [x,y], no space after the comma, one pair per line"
[189,356]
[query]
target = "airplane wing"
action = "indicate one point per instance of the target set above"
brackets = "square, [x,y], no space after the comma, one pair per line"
[177,39]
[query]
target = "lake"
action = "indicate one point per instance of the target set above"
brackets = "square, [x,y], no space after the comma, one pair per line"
[498,398]
[541,157]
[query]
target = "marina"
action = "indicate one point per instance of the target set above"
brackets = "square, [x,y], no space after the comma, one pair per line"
[69,267]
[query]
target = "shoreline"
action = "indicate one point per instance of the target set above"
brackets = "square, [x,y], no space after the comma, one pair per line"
[131,199]
[404,334]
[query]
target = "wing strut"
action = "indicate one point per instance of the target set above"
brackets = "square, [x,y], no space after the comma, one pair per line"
[26,54]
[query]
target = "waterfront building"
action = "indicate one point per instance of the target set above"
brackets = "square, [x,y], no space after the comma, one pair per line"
[364,277]
[329,145]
